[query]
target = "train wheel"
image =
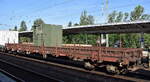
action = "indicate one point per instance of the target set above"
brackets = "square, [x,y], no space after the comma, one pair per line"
[89,66]
[145,65]
[124,71]
[112,69]
[74,59]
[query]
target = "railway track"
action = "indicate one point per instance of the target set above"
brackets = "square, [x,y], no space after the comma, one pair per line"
[20,74]
[98,76]
[11,76]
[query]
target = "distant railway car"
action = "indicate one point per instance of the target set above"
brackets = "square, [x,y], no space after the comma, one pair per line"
[8,37]
[116,60]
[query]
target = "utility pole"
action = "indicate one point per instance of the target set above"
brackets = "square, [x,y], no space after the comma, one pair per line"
[105,14]
[142,40]
[105,10]
[107,36]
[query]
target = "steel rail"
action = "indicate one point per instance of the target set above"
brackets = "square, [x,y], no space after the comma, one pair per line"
[27,70]
[11,76]
[79,69]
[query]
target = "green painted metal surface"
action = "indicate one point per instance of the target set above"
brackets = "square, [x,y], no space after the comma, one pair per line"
[49,35]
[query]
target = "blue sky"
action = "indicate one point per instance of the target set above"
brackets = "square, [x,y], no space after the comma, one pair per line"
[12,12]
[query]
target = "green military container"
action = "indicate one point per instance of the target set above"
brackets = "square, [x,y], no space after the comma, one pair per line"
[49,35]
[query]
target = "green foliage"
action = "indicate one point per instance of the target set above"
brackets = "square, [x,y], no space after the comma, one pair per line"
[137,13]
[129,40]
[82,38]
[119,17]
[86,19]
[25,39]
[145,17]
[113,38]
[112,17]
[15,28]
[76,24]
[83,18]
[126,16]
[90,19]
[37,22]
[70,24]
[147,39]
[10,29]
[23,26]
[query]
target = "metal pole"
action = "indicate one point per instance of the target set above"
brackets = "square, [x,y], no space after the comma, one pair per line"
[102,37]
[107,40]
[142,40]
[120,42]
[100,42]
[149,58]
[8,40]
[86,38]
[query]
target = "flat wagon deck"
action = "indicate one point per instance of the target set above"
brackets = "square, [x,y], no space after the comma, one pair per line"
[113,58]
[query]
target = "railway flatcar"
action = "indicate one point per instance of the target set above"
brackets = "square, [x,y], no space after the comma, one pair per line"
[116,60]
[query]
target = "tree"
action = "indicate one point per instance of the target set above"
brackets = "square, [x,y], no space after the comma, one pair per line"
[90,20]
[119,17]
[83,18]
[70,24]
[145,17]
[15,28]
[37,22]
[126,16]
[112,17]
[76,24]
[25,39]
[10,29]
[130,40]
[23,26]
[86,19]
[137,13]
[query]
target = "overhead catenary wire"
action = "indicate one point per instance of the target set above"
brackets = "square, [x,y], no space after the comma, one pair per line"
[58,4]
[90,11]
[93,11]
